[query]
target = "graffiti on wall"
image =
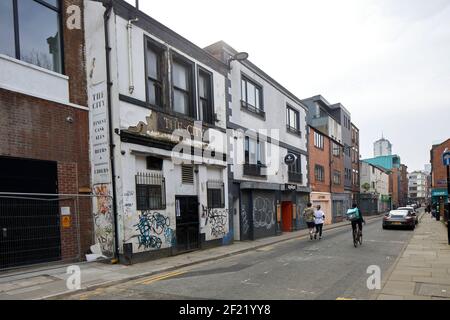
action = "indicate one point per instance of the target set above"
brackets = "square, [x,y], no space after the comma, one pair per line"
[263,212]
[217,218]
[153,228]
[103,219]
[244,221]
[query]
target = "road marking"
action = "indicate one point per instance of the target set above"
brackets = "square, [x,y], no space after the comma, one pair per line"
[341,298]
[160,277]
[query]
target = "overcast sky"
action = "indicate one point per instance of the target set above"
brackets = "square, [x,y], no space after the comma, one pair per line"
[387,61]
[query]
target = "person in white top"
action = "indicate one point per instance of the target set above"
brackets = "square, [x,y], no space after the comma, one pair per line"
[319,218]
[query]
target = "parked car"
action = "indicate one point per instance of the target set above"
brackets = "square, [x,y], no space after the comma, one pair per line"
[413,212]
[399,218]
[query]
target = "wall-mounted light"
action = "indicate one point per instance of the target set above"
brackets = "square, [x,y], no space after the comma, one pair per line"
[240,56]
[69,119]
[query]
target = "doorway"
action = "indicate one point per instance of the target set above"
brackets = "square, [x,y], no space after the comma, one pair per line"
[286,216]
[29,225]
[188,229]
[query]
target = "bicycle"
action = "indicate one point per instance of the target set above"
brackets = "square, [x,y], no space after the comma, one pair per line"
[357,236]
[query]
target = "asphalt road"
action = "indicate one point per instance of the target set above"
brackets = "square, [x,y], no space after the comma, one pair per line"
[331,268]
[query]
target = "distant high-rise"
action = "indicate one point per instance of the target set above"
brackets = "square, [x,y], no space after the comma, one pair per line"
[382,147]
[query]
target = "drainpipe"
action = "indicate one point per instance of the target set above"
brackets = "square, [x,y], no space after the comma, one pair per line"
[109,6]
[130,55]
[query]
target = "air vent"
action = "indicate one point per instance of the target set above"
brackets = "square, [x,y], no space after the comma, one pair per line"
[187,174]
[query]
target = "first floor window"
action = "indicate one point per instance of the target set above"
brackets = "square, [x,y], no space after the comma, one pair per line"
[319,173]
[30,31]
[205,96]
[182,88]
[216,194]
[150,191]
[254,151]
[154,61]
[337,178]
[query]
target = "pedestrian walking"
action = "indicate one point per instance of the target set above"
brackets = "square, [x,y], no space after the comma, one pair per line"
[319,218]
[308,215]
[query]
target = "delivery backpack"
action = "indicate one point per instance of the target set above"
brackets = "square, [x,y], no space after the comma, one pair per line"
[353,214]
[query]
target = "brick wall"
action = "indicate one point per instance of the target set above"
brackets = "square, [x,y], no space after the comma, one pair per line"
[439,172]
[35,128]
[338,165]
[319,157]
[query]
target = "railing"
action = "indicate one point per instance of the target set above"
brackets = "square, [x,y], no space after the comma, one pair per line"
[253,109]
[253,170]
[295,177]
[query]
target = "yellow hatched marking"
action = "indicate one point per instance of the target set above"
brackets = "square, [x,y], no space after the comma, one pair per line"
[160,277]
[341,298]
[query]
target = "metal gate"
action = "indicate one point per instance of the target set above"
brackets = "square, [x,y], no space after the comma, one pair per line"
[30,231]
[45,228]
[188,231]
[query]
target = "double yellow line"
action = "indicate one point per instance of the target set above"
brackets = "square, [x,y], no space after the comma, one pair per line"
[155,278]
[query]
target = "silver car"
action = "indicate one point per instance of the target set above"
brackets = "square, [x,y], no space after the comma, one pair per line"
[399,218]
[413,212]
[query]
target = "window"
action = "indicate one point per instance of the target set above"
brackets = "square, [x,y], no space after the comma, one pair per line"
[336,150]
[182,87]
[254,151]
[30,31]
[150,191]
[154,163]
[205,96]
[295,169]
[251,96]
[319,173]
[154,63]
[337,177]
[318,140]
[216,194]
[292,120]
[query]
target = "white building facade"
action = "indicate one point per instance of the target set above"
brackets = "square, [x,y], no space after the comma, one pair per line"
[417,187]
[374,182]
[267,195]
[164,99]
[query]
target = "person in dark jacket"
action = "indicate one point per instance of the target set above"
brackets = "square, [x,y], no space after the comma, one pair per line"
[359,221]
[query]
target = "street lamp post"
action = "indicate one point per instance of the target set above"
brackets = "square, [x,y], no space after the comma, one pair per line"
[446,162]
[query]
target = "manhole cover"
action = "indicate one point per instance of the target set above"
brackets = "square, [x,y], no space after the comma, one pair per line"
[434,290]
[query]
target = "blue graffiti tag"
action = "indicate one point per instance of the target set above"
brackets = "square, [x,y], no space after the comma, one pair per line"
[157,224]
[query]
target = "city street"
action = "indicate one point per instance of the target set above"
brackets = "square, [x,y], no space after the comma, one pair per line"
[331,268]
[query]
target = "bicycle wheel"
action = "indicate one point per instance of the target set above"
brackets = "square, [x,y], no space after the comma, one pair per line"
[355,238]
[360,238]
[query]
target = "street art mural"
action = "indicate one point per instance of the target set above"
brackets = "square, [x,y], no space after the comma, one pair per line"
[263,212]
[103,219]
[216,220]
[154,230]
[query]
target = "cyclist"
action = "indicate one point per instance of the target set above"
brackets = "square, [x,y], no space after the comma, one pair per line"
[358,221]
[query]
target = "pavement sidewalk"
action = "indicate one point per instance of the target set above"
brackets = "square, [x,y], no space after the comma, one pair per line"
[50,282]
[423,270]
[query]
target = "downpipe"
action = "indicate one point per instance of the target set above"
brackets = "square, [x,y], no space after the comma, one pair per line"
[106,16]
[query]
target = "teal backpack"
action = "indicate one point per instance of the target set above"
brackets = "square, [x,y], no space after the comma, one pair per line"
[353,214]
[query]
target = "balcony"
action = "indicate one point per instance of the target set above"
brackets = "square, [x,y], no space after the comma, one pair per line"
[254,170]
[295,177]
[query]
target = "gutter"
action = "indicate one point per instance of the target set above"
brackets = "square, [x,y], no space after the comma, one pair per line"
[109,6]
